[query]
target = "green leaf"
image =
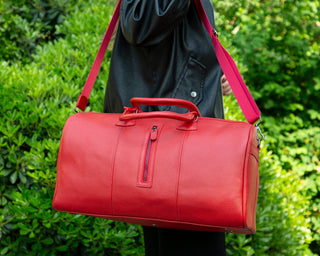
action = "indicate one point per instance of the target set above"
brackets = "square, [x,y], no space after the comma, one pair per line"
[22,177]
[32,235]
[24,231]
[47,241]
[314,115]
[4,251]
[35,223]
[13,177]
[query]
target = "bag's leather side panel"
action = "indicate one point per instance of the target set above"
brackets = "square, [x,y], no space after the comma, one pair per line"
[211,183]
[84,173]
[251,181]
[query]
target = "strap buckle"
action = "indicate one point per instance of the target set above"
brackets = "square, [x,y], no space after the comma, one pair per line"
[76,109]
[260,136]
[213,32]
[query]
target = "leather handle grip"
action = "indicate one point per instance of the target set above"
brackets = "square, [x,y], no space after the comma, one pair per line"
[187,117]
[167,102]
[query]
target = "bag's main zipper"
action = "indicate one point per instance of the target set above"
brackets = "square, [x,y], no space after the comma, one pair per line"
[152,138]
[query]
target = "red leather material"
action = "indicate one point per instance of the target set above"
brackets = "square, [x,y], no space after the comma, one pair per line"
[199,175]
[187,117]
[165,101]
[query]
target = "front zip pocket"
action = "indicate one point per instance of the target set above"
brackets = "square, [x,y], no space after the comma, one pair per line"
[145,174]
[152,139]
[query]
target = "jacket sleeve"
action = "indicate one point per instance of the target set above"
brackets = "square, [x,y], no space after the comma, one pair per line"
[147,22]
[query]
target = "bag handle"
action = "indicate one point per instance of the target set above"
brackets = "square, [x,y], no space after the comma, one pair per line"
[165,101]
[239,88]
[135,111]
[187,117]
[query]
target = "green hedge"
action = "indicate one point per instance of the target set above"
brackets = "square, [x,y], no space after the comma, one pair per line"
[38,97]
[27,23]
[278,42]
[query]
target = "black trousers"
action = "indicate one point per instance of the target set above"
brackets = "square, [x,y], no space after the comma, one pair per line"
[172,242]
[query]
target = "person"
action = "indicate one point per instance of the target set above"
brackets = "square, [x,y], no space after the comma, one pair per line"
[161,50]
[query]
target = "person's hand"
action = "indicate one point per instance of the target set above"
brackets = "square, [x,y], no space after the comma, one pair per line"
[226,89]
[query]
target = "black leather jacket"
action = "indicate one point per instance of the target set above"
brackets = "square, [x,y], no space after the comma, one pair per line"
[163,50]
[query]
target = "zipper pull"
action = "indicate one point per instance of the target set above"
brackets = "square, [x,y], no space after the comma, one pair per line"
[154,133]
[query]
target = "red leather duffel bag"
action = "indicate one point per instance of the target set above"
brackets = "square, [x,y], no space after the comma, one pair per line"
[160,168]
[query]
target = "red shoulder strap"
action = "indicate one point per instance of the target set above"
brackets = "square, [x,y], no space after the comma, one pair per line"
[83,98]
[239,88]
[229,68]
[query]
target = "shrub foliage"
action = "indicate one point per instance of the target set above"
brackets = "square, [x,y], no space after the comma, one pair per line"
[26,23]
[37,97]
[278,43]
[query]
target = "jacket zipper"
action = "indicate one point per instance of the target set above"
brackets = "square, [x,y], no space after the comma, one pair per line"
[152,138]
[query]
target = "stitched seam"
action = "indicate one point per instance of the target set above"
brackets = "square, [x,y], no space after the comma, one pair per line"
[128,218]
[113,170]
[182,75]
[149,182]
[153,156]
[254,157]
[256,195]
[179,173]
[61,149]
[201,72]
[143,155]
[245,168]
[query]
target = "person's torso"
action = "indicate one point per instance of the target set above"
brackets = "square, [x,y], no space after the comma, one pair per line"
[183,65]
